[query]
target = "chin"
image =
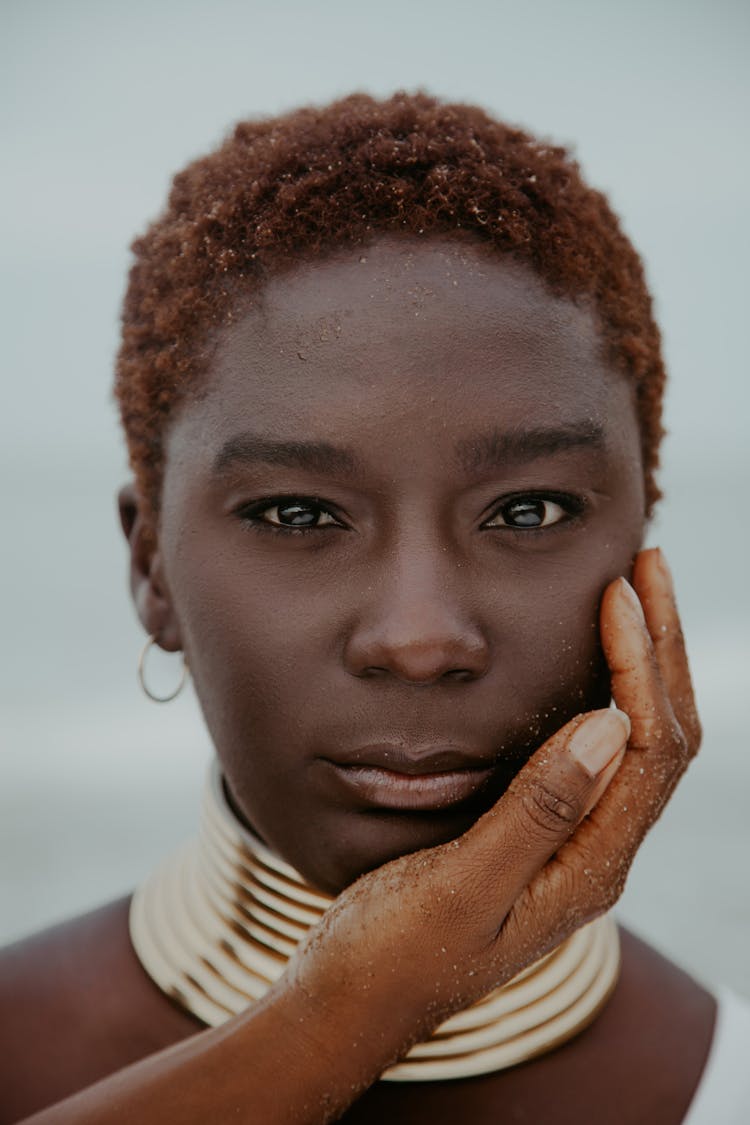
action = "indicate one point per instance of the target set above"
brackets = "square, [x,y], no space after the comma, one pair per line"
[370,839]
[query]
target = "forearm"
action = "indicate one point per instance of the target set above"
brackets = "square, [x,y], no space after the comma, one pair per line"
[287,1060]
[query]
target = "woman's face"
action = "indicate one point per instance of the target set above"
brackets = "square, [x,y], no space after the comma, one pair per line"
[387,522]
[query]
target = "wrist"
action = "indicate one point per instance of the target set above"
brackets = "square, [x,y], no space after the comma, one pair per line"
[326,1045]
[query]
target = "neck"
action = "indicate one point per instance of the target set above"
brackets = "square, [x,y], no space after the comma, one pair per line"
[216,924]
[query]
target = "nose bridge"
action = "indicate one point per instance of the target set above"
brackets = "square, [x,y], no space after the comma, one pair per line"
[416,622]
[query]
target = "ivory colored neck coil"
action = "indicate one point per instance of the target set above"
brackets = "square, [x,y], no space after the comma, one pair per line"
[215,925]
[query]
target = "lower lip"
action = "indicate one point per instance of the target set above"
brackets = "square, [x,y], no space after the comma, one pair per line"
[428,791]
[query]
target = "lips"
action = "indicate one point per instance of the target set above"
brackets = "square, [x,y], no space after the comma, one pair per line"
[415,761]
[428,778]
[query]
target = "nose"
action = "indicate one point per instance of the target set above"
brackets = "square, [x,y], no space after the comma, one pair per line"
[415,628]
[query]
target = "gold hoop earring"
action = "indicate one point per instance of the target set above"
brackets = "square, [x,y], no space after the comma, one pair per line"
[142,680]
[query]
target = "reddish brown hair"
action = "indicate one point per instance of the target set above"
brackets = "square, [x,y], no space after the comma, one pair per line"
[292,187]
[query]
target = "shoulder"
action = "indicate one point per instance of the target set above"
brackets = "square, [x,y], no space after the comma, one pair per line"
[76,1006]
[640,1060]
[663,1022]
[652,984]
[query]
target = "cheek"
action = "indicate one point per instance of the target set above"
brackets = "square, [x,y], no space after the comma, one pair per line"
[549,656]
[248,644]
[564,660]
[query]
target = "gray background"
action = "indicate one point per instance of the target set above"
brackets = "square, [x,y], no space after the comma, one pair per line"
[101,102]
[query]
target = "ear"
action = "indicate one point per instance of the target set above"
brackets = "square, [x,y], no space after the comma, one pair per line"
[147,582]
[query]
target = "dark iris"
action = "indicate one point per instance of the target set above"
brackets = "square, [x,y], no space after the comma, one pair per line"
[524,513]
[297,515]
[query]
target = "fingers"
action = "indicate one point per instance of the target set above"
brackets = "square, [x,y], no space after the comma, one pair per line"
[658,752]
[559,785]
[646,654]
[588,873]
[653,584]
[636,682]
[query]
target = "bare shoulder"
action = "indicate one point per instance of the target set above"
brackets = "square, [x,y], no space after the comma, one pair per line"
[642,1059]
[76,1006]
[660,995]
[659,1024]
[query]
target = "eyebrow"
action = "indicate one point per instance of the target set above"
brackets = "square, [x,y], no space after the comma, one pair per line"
[504,448]
[316,456]
[495,449]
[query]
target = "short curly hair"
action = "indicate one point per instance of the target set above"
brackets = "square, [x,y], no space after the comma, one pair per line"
[295,186]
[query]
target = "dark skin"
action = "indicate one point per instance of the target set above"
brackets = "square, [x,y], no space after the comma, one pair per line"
[426,625]
[421,606]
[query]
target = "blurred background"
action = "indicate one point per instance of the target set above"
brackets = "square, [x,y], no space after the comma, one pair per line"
[100,103]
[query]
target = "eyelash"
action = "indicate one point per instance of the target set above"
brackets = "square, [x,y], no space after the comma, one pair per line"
[572,507]
[250,514]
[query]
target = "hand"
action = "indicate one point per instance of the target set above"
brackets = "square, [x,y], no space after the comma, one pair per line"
[431,932]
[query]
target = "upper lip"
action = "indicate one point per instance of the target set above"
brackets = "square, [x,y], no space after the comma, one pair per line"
[416,760]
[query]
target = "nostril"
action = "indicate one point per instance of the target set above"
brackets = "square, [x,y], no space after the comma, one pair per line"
[459,674]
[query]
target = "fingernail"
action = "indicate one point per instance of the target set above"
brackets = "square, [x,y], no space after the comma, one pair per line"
[605,777]
[632,600]
[599,738]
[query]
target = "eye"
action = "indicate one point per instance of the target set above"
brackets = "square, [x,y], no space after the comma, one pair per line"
[293,513]
[524,512]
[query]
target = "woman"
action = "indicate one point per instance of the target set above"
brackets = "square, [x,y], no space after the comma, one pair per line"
[391,388]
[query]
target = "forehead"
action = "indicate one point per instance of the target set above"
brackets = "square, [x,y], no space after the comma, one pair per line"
[411,332]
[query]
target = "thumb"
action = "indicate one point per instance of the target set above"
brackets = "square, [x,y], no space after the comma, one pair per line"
[553,792]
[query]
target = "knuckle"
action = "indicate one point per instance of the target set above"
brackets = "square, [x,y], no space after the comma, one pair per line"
[597,884]
[680,747]
[549,811]
[664,735]
[611,892]
[693,730]
[671,640]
